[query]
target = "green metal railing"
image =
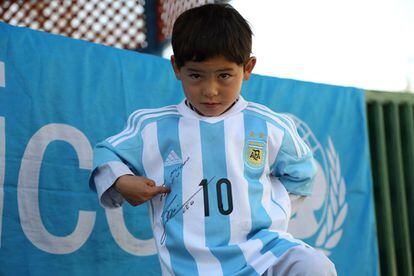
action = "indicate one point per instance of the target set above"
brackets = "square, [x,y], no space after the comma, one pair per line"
[391,131]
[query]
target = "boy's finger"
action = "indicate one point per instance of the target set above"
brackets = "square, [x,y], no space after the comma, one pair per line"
[162,189]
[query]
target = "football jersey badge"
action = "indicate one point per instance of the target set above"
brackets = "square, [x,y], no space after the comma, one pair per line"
[254,154]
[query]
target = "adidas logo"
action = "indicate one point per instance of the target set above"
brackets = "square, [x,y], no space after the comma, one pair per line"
[172,159]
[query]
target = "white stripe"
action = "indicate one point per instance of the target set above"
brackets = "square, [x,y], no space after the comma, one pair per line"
[282,205]
[287,236]
[278,216]
[193,222]
[174,155]
[154,169]
[2,75]
[275,139]
[282,124]
[133,117]
[152,161]
[268,259]
[138,126]
[251,251]
[290,121]
[278,191]
[295,131]
[240,217]
[261,262]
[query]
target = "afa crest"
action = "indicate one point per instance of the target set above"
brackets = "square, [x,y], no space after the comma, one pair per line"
[255,154]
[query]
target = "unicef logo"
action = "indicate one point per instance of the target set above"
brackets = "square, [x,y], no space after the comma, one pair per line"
[321,216]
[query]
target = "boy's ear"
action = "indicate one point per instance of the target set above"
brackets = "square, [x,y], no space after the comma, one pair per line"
[175,68]
[248,68]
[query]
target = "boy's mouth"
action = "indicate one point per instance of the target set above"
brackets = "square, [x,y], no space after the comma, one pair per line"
[210,104]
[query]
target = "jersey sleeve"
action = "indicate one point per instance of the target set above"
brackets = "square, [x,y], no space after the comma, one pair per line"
[104,177]
[116,156]
[294,164]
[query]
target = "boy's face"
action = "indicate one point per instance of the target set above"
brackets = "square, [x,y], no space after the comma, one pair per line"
[213,85]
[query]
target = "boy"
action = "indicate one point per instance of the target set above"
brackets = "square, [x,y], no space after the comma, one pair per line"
[215,169]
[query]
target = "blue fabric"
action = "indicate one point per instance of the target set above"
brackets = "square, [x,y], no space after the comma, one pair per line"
[61,96]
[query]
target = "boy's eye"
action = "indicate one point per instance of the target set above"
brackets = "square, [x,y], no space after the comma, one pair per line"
[224,76]
[194,76]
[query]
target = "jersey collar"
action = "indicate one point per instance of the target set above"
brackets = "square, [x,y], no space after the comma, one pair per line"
[186,111]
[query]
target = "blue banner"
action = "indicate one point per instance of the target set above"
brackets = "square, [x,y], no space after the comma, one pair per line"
[60,96]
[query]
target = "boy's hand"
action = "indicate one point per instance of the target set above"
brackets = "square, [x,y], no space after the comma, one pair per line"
[137,189]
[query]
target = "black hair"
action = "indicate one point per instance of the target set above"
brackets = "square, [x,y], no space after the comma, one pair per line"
[211,30]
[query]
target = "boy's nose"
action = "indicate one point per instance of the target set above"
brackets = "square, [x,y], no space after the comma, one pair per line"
[210,93]
[210,89]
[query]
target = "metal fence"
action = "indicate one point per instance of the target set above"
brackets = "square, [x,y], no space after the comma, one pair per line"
[128,24]
[391,131]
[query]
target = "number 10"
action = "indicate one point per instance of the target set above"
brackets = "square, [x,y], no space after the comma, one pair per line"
[223,181]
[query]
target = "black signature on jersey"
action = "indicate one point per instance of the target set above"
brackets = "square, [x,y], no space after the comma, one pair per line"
[174,174]
[171,211]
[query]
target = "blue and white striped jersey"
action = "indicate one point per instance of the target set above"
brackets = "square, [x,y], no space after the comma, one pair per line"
[228,209]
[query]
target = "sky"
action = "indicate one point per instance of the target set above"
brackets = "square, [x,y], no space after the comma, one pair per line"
[367,44]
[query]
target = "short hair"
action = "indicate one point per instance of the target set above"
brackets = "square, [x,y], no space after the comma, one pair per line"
[211,30]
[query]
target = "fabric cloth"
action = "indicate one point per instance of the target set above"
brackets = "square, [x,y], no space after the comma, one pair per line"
[228,210]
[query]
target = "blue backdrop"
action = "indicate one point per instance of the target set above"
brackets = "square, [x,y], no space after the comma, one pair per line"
[60,96]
